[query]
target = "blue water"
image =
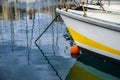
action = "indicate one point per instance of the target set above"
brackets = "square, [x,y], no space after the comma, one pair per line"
[21,59]
[38,4]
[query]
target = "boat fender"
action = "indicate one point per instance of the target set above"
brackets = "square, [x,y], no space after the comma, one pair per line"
[75,51]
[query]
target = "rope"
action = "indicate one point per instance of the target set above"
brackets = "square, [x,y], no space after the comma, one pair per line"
[43,52]
[46,29]
[48,61]
[83,9]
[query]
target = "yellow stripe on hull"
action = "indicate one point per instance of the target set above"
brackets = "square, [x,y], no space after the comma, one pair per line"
[89,42]
[78,73]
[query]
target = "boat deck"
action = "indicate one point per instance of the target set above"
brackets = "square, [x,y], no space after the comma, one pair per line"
[105,19]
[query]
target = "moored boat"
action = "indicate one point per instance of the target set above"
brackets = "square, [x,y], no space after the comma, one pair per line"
[97,31]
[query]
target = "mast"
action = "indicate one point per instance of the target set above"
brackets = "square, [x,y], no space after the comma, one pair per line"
[91,2]
[62,2]
[108,2]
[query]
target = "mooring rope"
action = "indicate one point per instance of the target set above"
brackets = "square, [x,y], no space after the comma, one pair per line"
[44,53]
[49,62]
[46,29]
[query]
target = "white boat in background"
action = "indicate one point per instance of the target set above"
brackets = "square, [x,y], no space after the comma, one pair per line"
[113,8]
[98,31]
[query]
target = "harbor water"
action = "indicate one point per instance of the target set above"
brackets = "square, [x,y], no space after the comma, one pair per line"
[23,59]
[33,44]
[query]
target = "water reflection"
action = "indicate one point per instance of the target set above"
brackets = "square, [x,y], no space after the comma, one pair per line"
[1,33]
[20,25]
[12,36]
[49,62]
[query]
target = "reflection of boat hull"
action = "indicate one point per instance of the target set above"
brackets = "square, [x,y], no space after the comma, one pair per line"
[89,67]
[100,37]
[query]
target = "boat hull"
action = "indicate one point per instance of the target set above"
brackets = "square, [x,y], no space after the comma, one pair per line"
[93,37]
[90,67]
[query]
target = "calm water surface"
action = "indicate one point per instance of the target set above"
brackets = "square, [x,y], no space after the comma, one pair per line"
[21,59]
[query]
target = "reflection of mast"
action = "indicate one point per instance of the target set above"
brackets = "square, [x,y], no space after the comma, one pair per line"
[15,12]
[10,10]
[1,8]
[5,10]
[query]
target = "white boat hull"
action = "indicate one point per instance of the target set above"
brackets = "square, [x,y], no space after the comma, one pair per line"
[101,40]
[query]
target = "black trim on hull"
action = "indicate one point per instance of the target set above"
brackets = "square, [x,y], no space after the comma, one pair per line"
[100,62]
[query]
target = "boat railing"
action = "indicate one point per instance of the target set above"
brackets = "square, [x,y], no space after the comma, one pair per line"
[80,3]
[83,8]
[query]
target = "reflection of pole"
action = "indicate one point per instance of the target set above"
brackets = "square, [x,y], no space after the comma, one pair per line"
[1,33]
[27,41]
[5,10]
[12,36]
[18,9]
[12,27]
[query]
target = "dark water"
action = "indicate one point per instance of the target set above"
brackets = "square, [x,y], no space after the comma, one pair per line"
[22,59]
